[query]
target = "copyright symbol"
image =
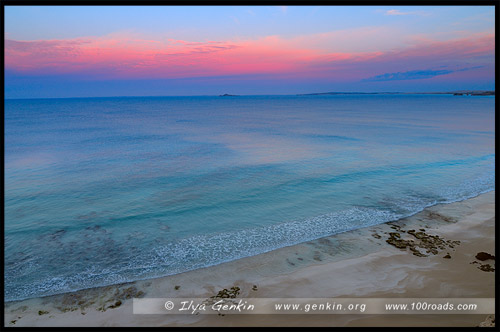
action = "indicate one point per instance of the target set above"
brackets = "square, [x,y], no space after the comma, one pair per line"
[169,305]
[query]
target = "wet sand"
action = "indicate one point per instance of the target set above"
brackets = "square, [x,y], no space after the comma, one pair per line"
[402,259]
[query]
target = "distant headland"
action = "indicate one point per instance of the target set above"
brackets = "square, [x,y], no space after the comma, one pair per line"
[455,93]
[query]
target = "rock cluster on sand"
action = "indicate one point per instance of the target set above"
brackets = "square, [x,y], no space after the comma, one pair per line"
[488,322]
[422,245]
[228,294]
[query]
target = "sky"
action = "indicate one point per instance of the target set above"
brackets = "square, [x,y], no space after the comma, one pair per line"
[98,51]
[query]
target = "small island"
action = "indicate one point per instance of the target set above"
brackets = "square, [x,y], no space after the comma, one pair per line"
[228,95]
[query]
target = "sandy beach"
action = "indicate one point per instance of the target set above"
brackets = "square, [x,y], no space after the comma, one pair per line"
[430,254]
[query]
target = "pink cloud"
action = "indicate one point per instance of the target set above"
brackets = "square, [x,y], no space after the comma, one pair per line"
[319,55]
[473,45]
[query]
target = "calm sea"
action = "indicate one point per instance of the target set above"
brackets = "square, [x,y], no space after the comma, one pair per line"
[100,191]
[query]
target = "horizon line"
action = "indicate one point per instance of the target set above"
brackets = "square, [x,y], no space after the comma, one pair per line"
[250,95]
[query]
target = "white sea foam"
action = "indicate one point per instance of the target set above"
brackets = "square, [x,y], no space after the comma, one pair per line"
[207,250]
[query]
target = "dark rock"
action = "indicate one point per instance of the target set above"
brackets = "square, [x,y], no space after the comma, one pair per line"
[447,256]
[116,305]
[482,256]
[419,235]
[395,240]
[417,252]
[225,294]
[488,322]
[486,268]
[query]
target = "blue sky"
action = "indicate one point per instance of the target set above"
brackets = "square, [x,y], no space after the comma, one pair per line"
[69,51]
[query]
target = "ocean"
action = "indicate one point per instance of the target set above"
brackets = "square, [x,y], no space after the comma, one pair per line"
[100,191]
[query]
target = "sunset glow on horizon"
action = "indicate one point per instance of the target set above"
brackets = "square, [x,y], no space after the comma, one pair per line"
[254,50]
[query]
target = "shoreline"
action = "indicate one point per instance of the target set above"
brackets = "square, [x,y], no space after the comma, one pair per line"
[253,255]
[410,264]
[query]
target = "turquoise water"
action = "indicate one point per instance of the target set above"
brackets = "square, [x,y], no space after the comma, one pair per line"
[100,191]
